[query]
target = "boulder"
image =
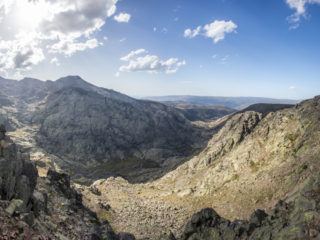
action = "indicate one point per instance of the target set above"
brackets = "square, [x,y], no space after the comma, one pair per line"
[257,217]
[16,205]
[39,202]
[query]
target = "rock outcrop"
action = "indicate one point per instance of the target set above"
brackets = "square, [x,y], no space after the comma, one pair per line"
[298,217]
[18,175]
[42,208]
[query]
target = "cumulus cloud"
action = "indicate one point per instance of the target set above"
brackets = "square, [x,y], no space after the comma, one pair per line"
[150,63]
[20,53]
[215,30]
[123,17]
[218,29]
[188,33]
[69,47]
[31,29]
[300,10]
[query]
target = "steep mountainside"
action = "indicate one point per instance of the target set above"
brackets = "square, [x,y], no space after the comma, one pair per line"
[98,132]
[231,102]
[251,163]
[90,128]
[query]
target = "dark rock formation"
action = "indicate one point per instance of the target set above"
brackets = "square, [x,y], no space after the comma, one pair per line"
[18,176]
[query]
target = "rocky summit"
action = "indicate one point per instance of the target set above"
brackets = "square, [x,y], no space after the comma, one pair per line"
[82,162]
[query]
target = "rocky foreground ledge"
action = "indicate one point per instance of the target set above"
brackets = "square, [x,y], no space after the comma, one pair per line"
[298,217]
[41,208]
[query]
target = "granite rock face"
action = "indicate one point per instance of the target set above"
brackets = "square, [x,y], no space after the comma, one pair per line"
[298,217]
[18,175]
[87,126]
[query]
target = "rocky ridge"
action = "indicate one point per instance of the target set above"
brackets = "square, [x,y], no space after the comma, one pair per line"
[253,161]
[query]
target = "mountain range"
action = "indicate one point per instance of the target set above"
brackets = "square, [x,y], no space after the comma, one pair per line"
[238,103]
[109,164]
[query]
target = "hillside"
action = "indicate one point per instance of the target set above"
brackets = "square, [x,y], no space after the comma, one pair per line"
[96,132]
[251,163]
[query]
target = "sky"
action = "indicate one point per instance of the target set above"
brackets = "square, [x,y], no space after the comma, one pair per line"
[262,48]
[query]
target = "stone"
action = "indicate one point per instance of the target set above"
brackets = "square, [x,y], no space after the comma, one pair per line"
[28,218]
[61,181]
[167,236]
[257,217]
[23,189]
[126,236]
[39,202]
[16,205]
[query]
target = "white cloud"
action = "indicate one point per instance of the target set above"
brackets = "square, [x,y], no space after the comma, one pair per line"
[133,54]
[154,29]
[69,47]
[20,53]
[292,87]
[150,63]
[105,38]
[122,17]
[218,29]
[122,39]
[117,74]
[188,33]
[215,30]
[31,29]
[300,10]
[55,61]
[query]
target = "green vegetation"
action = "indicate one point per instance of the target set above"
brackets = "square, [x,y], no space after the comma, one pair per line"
[254,166]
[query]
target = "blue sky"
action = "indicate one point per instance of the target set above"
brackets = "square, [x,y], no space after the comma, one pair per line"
[267,48]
